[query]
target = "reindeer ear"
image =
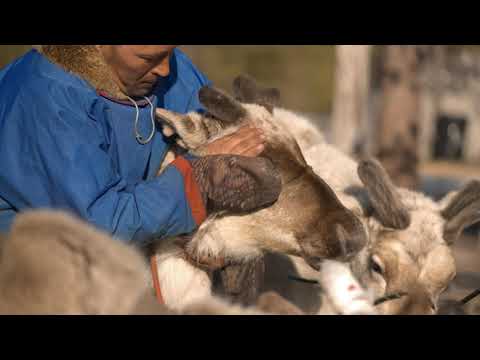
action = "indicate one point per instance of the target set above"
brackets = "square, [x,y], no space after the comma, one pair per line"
[247,90]
[468,194]
[463,210]
[383,195]
[221,105]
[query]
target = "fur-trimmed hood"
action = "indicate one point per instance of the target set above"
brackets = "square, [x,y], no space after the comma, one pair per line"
[85,61]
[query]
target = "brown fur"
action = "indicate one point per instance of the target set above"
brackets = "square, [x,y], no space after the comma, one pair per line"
[149,305]
[321,225]
[87,62]
[242,282]
[52,263]
[218,306]
[272,302]
[409,242]
[416,259]
[409,247]
[302,190]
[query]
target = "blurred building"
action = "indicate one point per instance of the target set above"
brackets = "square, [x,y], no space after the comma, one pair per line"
[450,110]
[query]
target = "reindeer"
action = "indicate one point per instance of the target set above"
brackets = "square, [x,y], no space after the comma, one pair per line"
[54,263]
[308,220]
[408,255]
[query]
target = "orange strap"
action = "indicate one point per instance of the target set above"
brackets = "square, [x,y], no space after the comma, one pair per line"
[192,191]
[156,283]
[199,212]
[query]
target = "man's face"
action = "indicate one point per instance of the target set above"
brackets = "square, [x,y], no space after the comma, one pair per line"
[137,67]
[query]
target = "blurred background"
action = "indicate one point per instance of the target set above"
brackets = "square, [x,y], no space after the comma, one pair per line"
[412,106]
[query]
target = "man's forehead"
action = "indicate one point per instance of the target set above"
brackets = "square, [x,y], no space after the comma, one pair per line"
[151,49]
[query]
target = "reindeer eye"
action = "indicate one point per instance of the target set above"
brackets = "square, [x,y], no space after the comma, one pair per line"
[375,266]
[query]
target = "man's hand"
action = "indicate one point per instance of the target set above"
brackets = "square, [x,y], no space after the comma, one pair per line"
[246,141]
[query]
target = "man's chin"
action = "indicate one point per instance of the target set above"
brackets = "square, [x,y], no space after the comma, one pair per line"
[140,92]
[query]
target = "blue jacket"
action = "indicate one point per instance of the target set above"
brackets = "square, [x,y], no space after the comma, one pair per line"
[64,145]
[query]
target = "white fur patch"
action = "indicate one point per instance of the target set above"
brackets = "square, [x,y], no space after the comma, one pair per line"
[180,282]
[302,129]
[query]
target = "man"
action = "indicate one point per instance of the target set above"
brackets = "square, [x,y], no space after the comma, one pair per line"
[77,133]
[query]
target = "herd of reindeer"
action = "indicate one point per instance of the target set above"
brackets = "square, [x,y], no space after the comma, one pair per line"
[341,238]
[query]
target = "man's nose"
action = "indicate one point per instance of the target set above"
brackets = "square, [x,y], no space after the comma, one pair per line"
[163,69]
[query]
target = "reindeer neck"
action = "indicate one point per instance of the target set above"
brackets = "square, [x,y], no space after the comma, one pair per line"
[299,204]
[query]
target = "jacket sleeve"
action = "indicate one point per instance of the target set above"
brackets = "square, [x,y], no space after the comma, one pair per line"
[56,158]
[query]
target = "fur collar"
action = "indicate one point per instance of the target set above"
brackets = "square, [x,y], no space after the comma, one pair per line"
[87,62]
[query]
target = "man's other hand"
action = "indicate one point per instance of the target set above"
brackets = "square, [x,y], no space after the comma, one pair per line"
[246,141]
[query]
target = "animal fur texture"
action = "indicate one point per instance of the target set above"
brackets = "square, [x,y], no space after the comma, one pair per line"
[409,256]
[415,257]
[52,263]
[307,220]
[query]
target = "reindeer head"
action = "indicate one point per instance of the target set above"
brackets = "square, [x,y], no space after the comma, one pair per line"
[409,251]
[308,213]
